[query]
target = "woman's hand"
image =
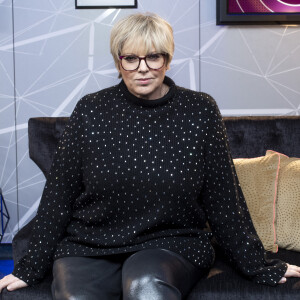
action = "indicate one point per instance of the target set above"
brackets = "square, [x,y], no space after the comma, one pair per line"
[11,283]
[292,271]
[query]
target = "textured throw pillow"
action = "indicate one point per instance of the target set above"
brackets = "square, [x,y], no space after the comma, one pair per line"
[258,178]
[287,222]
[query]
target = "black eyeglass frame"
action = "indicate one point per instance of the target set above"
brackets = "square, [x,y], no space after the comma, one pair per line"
[143,58]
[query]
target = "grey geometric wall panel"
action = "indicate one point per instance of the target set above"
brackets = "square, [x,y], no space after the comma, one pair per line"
[8,170]
[250,70]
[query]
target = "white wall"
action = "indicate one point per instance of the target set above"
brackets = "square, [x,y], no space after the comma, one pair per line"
[250,70]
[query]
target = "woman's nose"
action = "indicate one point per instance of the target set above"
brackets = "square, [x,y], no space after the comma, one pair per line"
[143,66]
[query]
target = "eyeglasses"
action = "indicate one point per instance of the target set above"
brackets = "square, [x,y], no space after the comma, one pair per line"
[154,61]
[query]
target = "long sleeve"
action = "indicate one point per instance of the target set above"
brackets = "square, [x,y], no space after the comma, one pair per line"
[63,186]
[122,181]
[226,209]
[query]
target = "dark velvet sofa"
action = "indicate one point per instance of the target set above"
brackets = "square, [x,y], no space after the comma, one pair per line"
[248,137]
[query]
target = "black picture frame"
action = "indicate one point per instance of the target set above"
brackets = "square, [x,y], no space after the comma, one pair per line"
[224,18]
[77,6]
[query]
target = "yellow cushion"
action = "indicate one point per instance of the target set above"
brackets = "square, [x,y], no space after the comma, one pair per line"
[258,178]
[287,222]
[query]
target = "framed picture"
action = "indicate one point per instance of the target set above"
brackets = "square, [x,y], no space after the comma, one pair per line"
[255,12]
[84,4]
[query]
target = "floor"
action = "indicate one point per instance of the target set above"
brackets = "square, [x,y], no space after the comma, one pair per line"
[6,262]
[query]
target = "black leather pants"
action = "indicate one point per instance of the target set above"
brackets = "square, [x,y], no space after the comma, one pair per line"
[151,274]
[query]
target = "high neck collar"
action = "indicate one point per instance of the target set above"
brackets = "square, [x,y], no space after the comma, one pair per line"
[150,103]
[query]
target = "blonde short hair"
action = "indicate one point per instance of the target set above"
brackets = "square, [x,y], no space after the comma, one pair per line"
[146,30]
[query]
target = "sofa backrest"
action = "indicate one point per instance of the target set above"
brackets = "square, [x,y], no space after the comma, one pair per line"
[248,137]
[43,136]
[253,136]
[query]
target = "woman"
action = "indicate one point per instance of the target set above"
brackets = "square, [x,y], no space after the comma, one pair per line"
[139,170]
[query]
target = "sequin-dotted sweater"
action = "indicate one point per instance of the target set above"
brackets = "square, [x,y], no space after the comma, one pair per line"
[131,174]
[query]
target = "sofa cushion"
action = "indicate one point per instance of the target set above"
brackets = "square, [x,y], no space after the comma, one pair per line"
[287,222]
[224,283]
[258,178]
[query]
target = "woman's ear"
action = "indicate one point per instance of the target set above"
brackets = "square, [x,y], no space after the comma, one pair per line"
[118,67]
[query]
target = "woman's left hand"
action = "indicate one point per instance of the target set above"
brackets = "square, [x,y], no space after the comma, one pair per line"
[292,271]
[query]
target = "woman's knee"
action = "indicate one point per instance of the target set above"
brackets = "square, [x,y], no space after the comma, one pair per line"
[149,287]
[147,275]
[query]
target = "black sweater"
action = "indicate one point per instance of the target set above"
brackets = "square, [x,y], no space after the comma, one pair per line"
[131,174]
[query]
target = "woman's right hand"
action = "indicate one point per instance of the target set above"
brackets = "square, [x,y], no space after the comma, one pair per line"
[12,283]
[292,271]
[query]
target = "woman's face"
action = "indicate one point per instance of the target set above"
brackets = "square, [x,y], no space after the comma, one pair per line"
[144,82]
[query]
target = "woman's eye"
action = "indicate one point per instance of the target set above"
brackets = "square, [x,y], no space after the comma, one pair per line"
[131,58]
[153,56]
